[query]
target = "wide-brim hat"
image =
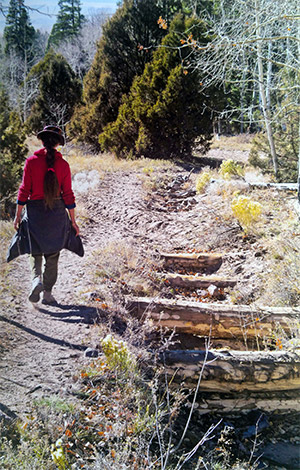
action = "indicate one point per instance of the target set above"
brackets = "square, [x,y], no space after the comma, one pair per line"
[52,130]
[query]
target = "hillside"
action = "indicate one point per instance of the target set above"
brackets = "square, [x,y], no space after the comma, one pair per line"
[129,213]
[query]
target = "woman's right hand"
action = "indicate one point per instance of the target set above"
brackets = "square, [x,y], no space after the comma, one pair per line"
[75,226]
[18,216]
[17,222]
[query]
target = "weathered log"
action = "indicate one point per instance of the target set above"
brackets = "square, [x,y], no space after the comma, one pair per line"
[197,262]
[259,185]
[281,401]
[195,282]
[279,186]
[236,371]
[215,319]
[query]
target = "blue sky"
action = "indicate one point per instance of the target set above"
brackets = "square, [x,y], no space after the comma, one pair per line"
[44,22]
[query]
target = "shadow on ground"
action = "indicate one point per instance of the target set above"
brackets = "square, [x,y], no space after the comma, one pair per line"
[82,313]
[42,336]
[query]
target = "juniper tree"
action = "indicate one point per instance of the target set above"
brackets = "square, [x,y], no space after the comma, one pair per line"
[127,44]
[165,110]
[58,92]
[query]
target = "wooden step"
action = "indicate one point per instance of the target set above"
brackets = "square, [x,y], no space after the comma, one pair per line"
[195,262]
[215,319]
[198,282]
[236,371]
[283,401]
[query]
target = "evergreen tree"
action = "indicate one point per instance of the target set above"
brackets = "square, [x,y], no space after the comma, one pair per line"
[165,111]
[68,23]
[19,34]
[13,151]
[59,91]
[127,44]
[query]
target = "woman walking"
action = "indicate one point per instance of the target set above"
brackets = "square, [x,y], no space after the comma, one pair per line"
[46,190]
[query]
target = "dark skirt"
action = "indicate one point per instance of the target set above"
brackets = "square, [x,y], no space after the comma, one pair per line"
[44,231]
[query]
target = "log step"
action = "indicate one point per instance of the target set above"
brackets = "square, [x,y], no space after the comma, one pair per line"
[217,320]
[195,262]
[280,402]
[198,282]
[236,371]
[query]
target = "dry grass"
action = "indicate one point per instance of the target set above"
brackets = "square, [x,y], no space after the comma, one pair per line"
[6,233]
[283,269]
[82,159]
[279,238]
[120,269]
[237,142]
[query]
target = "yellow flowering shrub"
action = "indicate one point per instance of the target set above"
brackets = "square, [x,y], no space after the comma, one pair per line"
[202,181]
[246,211]
[230,168]
[117,354]
[58,455]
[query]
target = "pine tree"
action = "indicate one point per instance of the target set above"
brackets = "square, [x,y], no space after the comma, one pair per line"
[19,34]
[165,111]
[59,91]
[68,23]
[127,44]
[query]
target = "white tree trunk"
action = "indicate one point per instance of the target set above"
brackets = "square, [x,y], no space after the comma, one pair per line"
[262,90]
[299,117]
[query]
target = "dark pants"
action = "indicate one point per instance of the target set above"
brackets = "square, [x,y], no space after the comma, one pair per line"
[49,276]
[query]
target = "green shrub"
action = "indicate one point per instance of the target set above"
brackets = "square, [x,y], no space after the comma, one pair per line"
[13,153]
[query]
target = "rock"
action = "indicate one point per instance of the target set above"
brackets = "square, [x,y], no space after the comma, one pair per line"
[283,453]
[91,352]
[212,290]
[6,412]
[239,269]
[90,295]
[262,423]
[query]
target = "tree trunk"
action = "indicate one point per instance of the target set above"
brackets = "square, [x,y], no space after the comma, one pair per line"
[25,87]
[299,116]
[262,91]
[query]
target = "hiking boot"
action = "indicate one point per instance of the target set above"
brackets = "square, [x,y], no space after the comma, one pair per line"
[48,299]
[36,289]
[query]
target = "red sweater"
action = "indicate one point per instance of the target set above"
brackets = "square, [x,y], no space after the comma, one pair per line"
[32,186]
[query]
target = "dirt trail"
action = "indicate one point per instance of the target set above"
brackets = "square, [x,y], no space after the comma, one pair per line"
[44,346]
